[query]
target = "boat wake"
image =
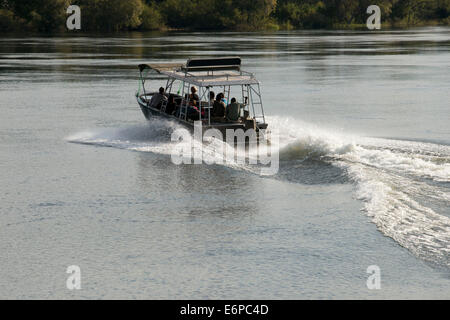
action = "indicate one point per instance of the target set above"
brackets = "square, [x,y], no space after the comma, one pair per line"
[404,185]
[152,137]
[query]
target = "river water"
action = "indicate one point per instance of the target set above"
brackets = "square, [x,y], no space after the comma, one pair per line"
[363,180]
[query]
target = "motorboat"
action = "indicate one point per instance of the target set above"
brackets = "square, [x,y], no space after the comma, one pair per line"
[187,93]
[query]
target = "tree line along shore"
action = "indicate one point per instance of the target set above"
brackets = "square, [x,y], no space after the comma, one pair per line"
[238,15]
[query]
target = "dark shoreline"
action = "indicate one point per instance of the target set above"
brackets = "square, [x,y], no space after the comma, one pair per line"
[358,28]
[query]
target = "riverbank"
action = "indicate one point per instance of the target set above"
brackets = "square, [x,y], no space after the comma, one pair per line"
[214,15]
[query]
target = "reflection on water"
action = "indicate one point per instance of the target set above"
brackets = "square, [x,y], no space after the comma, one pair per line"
[85,56]
[198,190]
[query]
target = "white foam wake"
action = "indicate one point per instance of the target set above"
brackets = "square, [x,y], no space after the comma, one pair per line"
[404,185]
[397,181]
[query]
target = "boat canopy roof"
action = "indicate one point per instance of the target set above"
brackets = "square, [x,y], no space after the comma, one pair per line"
[205,72]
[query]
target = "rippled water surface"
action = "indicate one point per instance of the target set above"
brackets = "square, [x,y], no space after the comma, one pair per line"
[364,179]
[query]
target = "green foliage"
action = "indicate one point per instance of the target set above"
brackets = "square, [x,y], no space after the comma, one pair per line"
[301,14]
[7,21]
[217,14]
[111,15]
[152,18]
[329,13]
[114,15]
[38,15]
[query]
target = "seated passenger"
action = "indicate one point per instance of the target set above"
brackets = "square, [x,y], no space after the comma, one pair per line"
[233,111]
[193,113]
[171,105]
[158,99]
[224,100]
[218,111]
[193,97]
